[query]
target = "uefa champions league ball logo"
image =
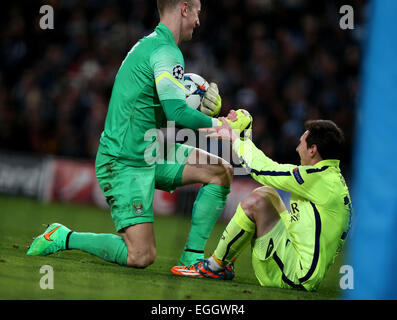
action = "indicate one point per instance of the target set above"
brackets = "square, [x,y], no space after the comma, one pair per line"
[178,72]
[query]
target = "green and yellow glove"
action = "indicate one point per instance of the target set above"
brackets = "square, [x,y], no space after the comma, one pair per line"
[212,102]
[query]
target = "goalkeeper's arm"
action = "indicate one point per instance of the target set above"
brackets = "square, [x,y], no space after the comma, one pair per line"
[178,110]
[184,116]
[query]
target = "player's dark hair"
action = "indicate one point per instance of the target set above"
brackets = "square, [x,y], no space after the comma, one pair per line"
[162,5]
[327,136]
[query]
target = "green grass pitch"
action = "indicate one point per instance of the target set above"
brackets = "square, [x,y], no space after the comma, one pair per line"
[79,275]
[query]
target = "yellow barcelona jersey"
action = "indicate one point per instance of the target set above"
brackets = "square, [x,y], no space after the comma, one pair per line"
[320,206]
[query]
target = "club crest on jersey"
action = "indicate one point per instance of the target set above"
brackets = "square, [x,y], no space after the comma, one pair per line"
[138,207]
[178,72]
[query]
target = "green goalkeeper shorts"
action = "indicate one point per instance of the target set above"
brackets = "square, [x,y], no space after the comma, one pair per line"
[275,259]
[129,190]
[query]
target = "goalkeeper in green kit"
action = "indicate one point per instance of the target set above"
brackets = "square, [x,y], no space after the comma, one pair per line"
[146,94]
[290,249]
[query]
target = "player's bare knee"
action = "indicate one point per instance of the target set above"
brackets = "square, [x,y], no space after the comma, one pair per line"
[258,204]
[140,262]
[229,171]
[254,204]
[141,259]
[223,174]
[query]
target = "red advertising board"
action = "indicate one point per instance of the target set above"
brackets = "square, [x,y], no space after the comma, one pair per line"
[75,182]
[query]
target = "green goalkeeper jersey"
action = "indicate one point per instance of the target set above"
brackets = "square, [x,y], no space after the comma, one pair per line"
[147,92]
[320,206]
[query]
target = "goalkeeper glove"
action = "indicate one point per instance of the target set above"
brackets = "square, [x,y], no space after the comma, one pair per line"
[212,102]
[242,125]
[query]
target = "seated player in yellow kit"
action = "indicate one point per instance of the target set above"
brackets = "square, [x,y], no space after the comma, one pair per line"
[290,249]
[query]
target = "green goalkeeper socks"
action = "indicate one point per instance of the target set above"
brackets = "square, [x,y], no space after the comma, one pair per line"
[237,235]
[209,204]
[107,246]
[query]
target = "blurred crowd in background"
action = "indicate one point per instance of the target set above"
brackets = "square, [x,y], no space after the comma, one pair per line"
[285,61]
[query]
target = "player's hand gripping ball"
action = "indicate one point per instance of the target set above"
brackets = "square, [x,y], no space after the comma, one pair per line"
[202,96]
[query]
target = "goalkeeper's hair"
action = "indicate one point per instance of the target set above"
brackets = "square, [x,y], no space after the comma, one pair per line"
[163,5]
[327,136]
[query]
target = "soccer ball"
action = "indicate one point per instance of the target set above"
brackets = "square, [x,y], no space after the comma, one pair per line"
[195,89]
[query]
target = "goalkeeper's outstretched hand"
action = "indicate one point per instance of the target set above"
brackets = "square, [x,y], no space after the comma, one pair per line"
[223,131]
[212,102]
